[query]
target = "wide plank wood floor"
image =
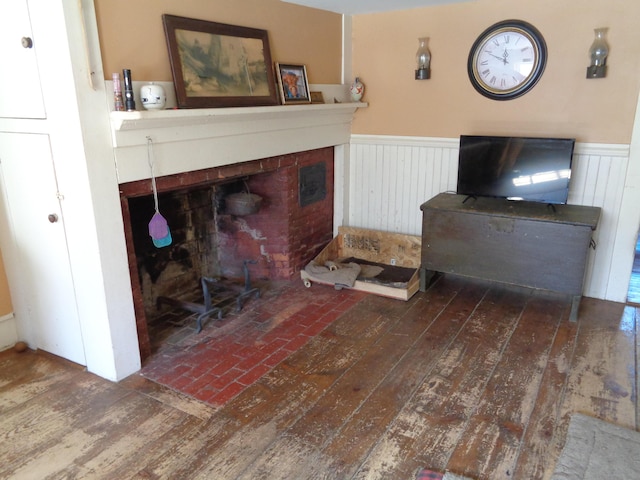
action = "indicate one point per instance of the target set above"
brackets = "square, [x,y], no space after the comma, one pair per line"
[472,377]
[633,295]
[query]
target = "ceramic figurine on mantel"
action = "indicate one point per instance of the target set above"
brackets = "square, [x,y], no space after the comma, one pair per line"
[153,96]
[356,90]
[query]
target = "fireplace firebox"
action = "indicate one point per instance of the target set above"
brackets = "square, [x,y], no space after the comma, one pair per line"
[279,239]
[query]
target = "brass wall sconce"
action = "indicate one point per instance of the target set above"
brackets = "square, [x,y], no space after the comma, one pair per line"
[423,58]
[598,54]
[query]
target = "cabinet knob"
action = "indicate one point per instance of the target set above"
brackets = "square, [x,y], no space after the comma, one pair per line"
[53,218]
[27,42]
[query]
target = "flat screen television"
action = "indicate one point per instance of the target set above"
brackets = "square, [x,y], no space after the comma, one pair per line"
[516,168]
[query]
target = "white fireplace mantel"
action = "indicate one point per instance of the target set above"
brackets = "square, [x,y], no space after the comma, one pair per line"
[193,139]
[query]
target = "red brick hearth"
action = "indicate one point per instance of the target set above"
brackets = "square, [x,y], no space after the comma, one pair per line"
[282,237]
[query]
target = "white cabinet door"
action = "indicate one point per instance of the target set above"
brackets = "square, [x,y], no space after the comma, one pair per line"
[34,246]
[20,92]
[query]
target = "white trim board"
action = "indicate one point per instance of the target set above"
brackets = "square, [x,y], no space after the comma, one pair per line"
[601,149]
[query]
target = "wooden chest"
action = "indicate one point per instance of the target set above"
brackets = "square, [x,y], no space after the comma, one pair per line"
[520,243]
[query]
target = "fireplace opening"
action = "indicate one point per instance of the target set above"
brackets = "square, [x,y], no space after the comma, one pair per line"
[210,240]
[175,270]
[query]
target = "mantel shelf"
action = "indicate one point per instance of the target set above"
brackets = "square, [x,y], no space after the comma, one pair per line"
[193,139]
[149,119]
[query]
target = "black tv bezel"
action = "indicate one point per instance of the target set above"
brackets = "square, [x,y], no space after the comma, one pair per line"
[475,194]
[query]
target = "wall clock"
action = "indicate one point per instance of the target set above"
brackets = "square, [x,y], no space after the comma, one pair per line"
[507,60]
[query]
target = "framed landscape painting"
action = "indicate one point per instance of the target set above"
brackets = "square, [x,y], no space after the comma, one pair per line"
[219,65]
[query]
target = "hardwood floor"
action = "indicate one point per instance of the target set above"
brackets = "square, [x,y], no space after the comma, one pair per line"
[633,295]
[469,376]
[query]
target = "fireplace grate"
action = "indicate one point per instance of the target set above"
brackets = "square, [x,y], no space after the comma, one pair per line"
[209,286]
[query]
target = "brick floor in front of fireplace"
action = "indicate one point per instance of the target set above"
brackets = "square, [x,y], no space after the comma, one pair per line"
[228,355]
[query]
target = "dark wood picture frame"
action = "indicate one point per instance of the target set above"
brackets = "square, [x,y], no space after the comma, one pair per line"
[293,83]
[219,65]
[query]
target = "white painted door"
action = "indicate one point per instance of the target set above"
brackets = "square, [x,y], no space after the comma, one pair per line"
[20,78]
[35,248]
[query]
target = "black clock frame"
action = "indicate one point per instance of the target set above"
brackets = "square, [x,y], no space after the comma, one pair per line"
[538,68]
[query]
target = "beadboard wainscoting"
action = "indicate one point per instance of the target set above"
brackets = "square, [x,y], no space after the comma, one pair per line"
[389,177]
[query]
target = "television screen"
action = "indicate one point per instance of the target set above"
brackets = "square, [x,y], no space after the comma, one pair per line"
[517,168]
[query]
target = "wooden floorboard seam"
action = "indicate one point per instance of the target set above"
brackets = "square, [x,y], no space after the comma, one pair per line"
[527,428]
[420,386]
[560,433]
[374,389]
[430,332]
[475,416]
[253,465]
[424,378]
[414,390]
[488,378]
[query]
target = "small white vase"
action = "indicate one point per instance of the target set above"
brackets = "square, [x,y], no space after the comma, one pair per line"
[356,90]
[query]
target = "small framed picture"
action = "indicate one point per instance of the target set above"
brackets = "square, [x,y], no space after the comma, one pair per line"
[293,83]
[316,97]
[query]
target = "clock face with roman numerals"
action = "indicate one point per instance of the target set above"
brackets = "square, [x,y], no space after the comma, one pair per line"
[507,60]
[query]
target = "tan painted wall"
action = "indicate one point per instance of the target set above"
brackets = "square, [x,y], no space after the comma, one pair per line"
[132,36]
[564,103]
[5,298]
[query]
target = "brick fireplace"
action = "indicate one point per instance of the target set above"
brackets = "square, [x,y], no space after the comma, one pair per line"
[282,236]
[194,147]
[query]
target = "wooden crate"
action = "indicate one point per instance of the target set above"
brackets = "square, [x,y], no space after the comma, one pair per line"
[393,249]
